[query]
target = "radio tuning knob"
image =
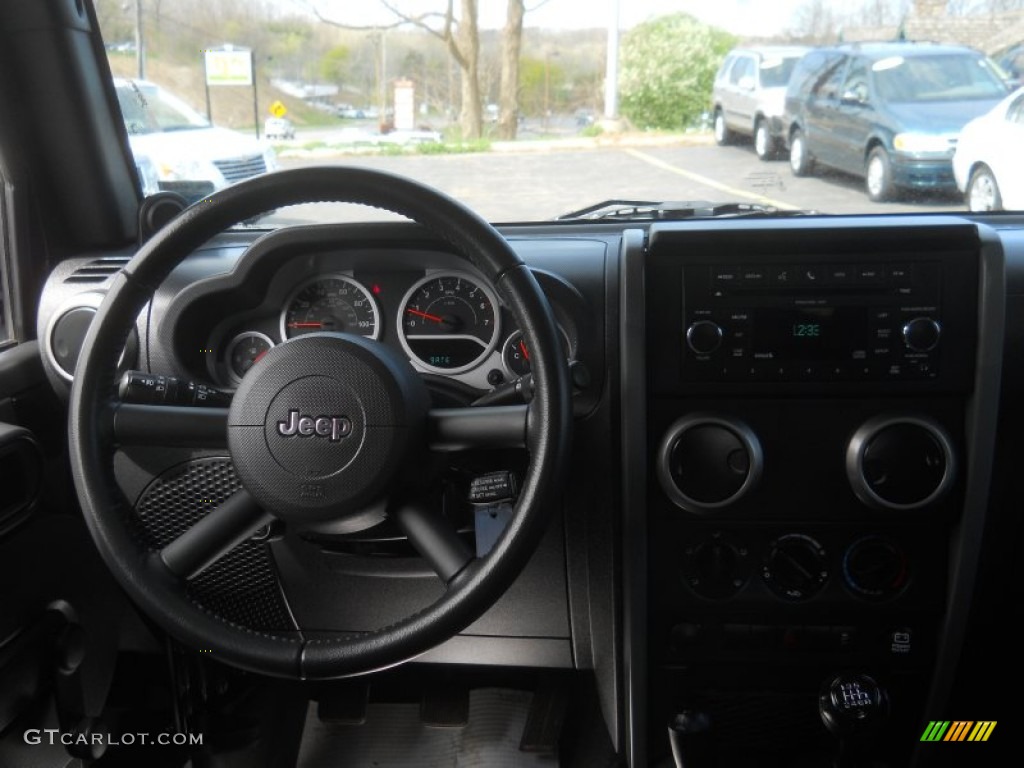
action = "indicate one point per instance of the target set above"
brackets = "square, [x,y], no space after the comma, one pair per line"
[921,334]
[704,337]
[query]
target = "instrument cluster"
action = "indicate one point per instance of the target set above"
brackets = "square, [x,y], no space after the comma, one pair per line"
[448,322]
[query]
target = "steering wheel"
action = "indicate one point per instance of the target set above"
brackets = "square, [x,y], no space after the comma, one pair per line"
[326,425]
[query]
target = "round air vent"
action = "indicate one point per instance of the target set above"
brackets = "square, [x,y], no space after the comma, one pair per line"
[900,462]
[706,462]
[66,332]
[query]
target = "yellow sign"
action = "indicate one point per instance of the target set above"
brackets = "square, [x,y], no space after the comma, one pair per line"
[277,109]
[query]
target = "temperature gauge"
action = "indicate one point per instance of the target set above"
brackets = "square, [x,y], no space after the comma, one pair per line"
[516,356]
[244,351]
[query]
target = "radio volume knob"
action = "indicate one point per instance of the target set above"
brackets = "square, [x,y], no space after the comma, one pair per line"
[921,334]
[704,337]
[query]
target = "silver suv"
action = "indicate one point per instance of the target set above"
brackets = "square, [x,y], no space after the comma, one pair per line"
[750,94]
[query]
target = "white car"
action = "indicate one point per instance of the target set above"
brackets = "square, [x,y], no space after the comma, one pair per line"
[989,159]
[190,155]
[278,128]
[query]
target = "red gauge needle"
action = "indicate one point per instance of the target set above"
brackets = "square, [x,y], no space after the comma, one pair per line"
[425,315]
[305,325]
[260,356]
[522,346]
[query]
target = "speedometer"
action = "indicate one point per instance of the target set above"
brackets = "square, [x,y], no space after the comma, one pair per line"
[449,322]
[330,303]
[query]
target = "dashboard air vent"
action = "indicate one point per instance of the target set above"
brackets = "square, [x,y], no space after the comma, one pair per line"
[98,270]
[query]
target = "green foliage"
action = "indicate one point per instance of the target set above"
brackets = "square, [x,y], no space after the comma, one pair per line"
[542,85]
[668,68]
[456,148]
[334,65]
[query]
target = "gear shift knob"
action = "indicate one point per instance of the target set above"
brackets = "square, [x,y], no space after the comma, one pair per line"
[852,704]
[689,734]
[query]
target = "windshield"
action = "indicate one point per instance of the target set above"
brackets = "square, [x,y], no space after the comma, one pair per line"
[147,108]
[526,111]
[937,78]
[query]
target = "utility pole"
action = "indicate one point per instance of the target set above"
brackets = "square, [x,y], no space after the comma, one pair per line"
[140,43]
[611,75]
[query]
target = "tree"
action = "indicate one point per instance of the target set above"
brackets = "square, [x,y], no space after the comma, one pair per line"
[511,45]
[668,67]
[334,65]
[461,36]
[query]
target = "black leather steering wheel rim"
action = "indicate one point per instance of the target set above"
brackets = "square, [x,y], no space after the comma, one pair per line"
[93,442]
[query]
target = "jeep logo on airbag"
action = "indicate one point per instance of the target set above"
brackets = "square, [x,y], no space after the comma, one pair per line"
[334,427]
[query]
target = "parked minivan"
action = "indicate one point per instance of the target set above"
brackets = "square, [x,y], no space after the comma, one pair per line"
[749,95]
[889,112]
[190,155]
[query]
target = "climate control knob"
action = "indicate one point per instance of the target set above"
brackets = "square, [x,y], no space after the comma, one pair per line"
[875,568]
[922,334]
[704,337]
[796,567]
[900,462]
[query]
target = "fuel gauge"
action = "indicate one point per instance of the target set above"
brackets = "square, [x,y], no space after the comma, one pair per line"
[244,351]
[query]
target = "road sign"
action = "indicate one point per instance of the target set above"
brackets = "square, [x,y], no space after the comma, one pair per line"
[277,109]
[228,66]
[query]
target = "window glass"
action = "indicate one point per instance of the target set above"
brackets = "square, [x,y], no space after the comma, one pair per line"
[856,85]
[744,67]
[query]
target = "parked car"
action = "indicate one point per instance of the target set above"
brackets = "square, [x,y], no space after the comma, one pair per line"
[1011,60]
[989,161]
[889,112]
[191,156]
[749,96]
[278,128]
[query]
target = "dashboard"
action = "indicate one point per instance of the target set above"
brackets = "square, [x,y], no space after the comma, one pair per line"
[793,445]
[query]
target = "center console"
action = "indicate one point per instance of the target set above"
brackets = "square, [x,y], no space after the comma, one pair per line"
[806,398]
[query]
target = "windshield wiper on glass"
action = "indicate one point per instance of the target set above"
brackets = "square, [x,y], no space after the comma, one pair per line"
[649,210]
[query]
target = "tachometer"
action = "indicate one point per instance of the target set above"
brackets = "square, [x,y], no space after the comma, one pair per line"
[449,322]
[330,303]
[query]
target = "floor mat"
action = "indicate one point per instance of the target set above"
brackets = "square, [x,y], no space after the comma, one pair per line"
[394,737]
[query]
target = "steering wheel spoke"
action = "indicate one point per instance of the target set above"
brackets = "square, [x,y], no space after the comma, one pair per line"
[460,429]
[166,425]
[223,529]
[434,538]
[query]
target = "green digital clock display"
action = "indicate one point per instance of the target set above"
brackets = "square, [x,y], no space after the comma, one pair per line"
[807,330]
[813,334]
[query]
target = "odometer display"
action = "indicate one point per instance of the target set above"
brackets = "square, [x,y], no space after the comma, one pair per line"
[449,322]
[330,303]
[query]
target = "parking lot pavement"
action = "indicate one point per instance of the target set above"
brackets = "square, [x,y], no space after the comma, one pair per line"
[531,186]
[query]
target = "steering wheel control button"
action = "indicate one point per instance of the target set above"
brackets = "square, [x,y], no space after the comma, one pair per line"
[900,462]
[796,567]
[324,425]
[706,463]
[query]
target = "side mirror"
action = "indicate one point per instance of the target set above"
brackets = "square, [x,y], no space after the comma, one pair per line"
[747,83]
[854,97]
